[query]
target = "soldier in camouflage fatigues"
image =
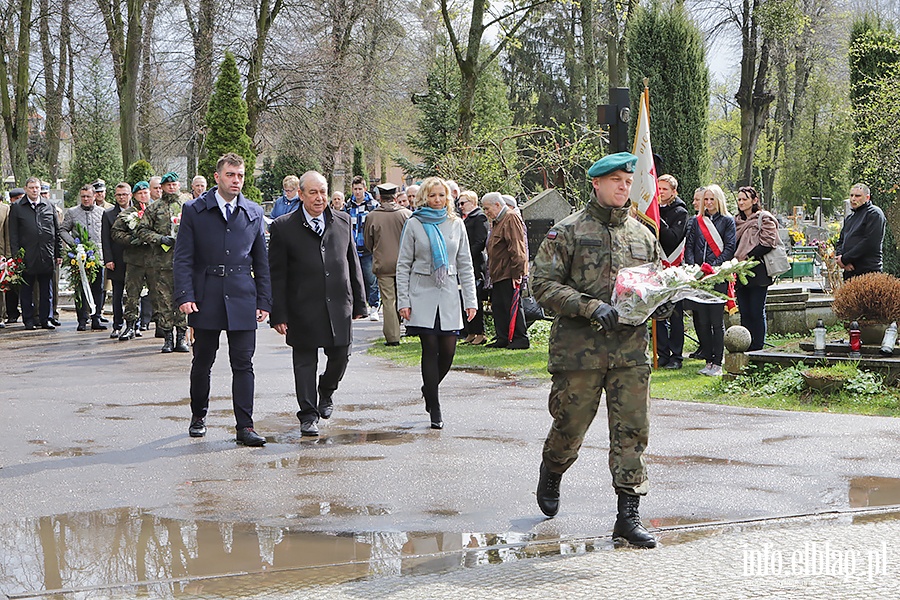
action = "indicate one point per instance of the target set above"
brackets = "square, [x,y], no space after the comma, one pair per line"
[124,232]
[574,276]
[157,229]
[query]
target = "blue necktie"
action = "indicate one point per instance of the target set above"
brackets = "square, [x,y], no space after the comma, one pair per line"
[228,211]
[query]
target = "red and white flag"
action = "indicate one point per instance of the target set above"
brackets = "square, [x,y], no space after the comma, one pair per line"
[644,192]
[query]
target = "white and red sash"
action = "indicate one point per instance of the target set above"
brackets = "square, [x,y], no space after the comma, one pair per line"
[674,259]
[711,235]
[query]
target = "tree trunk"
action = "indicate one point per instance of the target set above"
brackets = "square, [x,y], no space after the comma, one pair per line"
[591,97]
[146,84]
[15,109]
[201,28]
[54,80]
[752,98]
[255,104]
[125,46]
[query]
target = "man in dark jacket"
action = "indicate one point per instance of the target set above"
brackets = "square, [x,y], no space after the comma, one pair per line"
[673,216]
[360,205]
[114,255]
[858,249]
[317,289]
[33,226]
[477,229]
[222,282]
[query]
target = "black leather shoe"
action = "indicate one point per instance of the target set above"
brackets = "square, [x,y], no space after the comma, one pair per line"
[55,322]
[198,428]
[49,326]
[248,437]
[673,365]
[104,320]
[628,525]
[309,428]
[114,333]
[98,326]
[81,327]
[696,355]
[519,345]
[29,326]
[326,407]
[548,491]
[392,343]
[11,320]
[496,344]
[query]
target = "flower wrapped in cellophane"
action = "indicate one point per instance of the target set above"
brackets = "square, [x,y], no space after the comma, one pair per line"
[641,290]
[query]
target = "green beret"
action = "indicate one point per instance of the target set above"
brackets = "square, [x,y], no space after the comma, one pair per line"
[620,161]
[140,185]
[169,177]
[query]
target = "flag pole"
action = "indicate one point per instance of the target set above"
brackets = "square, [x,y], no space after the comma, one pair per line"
[653,331]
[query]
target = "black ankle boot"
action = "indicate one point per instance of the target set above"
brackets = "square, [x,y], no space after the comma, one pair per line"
[628,523]
[548,491]
[180,342]
[168,343]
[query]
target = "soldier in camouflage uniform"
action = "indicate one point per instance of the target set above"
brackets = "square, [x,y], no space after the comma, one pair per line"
[590,352]
[157,229]
[124,232]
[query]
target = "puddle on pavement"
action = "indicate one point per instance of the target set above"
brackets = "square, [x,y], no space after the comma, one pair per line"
[874,491]
[67,556]
[693,459]
[302,462]
[64,452]
[387,438]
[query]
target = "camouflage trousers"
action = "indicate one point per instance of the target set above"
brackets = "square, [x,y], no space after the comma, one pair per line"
[135,279]
[161,283]
[574,401]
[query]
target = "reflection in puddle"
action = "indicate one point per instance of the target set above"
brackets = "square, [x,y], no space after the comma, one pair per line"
[693,459]
[65,452]
[306,461]
[874,491]
[166,558]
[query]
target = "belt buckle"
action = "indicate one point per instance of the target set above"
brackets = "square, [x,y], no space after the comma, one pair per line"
[220,271]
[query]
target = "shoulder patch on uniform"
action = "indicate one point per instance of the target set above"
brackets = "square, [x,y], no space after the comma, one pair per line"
[551,235]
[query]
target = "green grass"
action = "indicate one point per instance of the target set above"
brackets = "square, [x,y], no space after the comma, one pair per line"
[770,387]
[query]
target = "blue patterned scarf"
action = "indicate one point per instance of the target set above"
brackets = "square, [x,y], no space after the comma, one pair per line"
[431,219]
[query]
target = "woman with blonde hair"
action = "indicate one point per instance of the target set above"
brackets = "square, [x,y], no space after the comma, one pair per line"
[434,263]
[711,239]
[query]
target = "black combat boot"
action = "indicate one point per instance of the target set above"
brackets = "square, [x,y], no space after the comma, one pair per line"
[96,325]
[128,331]
[168,343]
[180,342]
[628,523]
[548,491]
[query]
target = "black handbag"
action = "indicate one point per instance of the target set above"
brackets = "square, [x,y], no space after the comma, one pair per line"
[531,308]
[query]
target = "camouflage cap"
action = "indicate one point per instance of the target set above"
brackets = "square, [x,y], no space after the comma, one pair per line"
[620,161]
[169,177]
[140,185]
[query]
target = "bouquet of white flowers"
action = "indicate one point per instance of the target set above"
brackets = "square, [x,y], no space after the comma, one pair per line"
[641,290]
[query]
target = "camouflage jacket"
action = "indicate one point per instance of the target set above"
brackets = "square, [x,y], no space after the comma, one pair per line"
[575,271]
[156,224]
[122,233]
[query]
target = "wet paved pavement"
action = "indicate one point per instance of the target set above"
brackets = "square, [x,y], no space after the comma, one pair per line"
[102,487]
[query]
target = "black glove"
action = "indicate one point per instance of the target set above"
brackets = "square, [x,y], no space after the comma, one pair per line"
[167,240]
[663,311]
[606,316]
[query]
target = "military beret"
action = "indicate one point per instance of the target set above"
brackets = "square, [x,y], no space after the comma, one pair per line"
[45,187]
[16,192]
[620,161]
[99,185]
[169,177]
[387,189]
[140,185]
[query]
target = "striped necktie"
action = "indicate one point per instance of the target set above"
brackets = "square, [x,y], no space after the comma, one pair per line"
[317,225]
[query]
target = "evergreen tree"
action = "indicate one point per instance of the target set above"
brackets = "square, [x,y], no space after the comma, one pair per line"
[874,72]
[667,48]
[140,170]
[226,124]
[96,149]
[359,162]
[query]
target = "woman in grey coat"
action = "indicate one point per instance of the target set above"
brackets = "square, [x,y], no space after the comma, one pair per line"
[434,264]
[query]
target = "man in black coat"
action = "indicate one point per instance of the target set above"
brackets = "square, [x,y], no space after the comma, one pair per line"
[673,217]
[33,226]
[317,289]
[858,250]
[221,276]
[114,254]
[477,228]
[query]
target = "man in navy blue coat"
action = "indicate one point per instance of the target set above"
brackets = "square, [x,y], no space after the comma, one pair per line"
[222,282]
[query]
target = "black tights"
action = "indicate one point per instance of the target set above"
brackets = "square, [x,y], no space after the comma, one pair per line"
[437,357]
